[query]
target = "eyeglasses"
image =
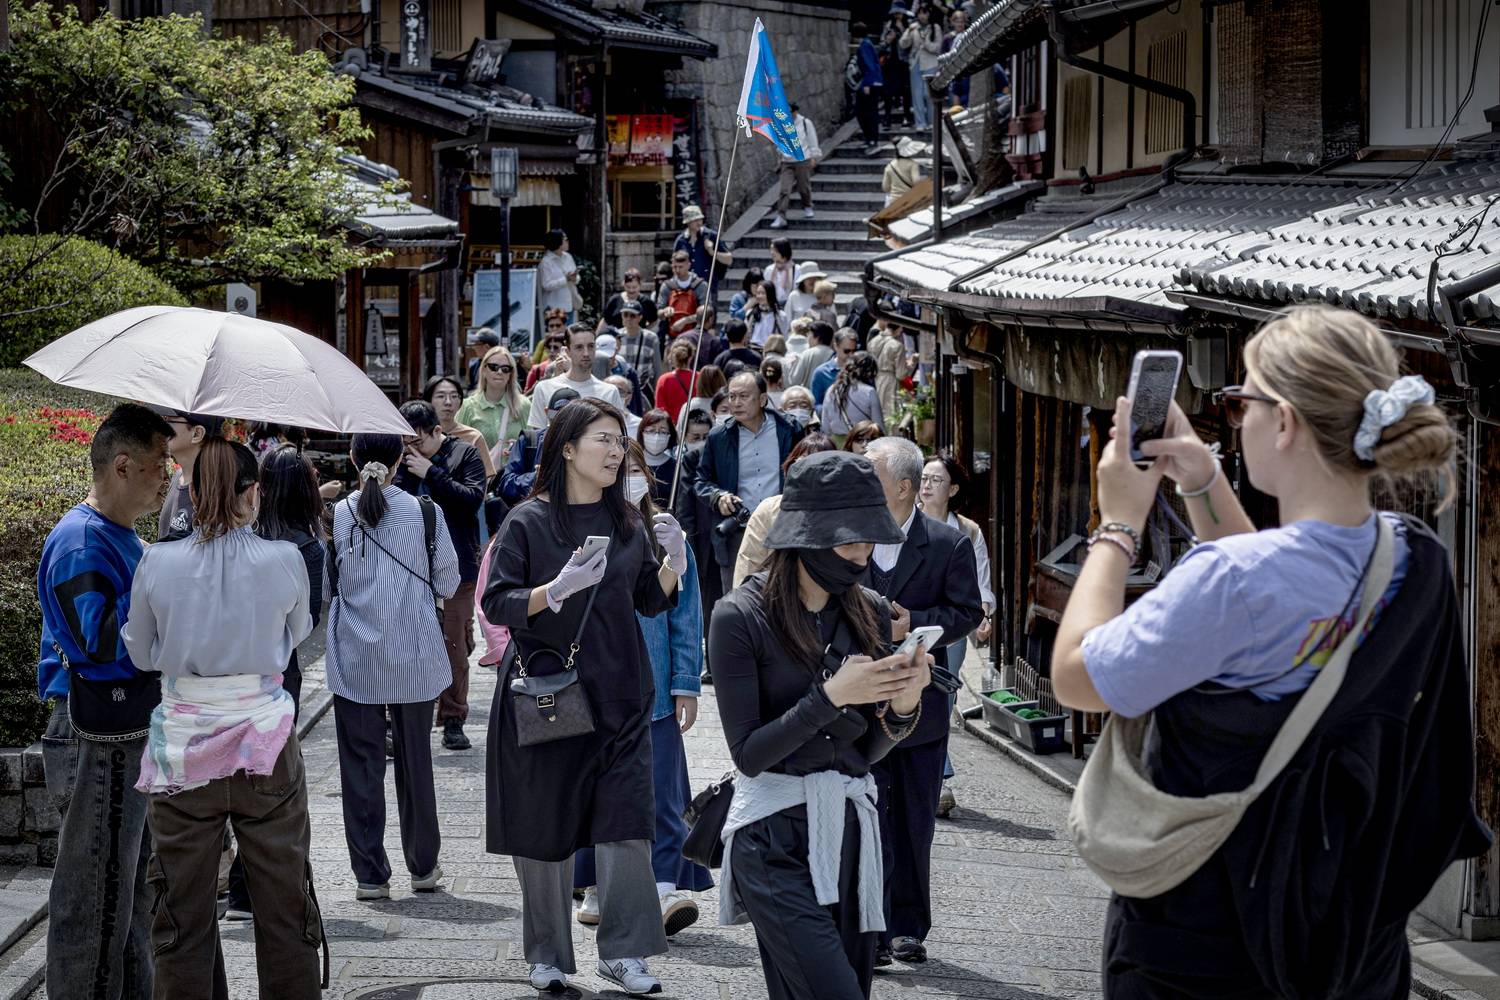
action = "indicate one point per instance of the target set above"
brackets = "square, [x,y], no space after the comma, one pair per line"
[447,397]
[506,369]
[1235,400]
[612,441]
[934,481]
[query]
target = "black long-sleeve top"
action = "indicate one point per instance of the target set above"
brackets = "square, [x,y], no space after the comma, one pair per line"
[773,709]
[456,484]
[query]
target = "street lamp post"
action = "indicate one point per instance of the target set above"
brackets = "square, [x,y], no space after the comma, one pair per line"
[505,169]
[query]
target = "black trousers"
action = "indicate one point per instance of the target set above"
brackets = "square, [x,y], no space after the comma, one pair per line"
[867,110]
[361,735]
[806,950]
[910,780]
[239,889]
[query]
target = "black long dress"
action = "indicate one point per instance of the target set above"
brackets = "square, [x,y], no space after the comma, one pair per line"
[547,801]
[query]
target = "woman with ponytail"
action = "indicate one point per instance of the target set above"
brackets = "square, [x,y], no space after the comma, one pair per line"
[387,573]
[1310,894]
[218,614]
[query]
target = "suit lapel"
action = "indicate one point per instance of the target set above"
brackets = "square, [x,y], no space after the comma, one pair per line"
[911,555]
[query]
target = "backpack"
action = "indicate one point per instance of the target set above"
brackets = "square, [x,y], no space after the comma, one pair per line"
[852,73]
[682,301]
[429,535]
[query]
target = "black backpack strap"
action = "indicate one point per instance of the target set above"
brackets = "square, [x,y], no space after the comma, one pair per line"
[429,534]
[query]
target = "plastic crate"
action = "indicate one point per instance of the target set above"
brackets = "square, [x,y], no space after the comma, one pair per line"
[1040,736]
[994,712]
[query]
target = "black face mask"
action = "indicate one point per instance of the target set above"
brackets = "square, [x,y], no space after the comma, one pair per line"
[829,570]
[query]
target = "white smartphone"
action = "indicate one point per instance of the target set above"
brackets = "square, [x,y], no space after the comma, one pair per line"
[924,636]
[593,545]
[1153,383]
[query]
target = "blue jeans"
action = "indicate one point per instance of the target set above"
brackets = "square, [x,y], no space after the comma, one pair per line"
[99,931]
[921,100]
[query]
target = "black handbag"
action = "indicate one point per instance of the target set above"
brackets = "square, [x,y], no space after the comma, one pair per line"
[110,711]
[705,817]
[553,706]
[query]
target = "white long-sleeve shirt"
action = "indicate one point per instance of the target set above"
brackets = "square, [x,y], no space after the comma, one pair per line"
[553,273]
[807,134]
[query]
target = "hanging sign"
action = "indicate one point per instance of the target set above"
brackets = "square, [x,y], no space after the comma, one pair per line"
[416,45]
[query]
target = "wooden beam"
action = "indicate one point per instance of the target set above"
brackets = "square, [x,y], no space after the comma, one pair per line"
[411,336]
[354,316]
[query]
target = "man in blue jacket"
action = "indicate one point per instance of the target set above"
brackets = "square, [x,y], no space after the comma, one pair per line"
[871,83]
[99,934]
[741,465]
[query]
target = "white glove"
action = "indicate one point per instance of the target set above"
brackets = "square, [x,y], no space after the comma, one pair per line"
[670,537]
[576,575]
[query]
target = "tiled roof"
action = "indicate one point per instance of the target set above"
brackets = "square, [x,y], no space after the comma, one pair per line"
[934,267]
[622,26]
[1371,249]
[1006,27]
[918,225]
[468,104]
[391,216]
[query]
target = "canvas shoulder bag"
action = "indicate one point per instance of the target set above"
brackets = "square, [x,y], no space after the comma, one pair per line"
[553,706]
[1143,841]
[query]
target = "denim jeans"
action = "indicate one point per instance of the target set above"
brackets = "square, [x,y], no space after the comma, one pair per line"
[921,100]
[99,931]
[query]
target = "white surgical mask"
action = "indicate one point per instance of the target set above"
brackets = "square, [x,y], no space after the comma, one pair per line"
[655,443]
[800,415]
[635,488]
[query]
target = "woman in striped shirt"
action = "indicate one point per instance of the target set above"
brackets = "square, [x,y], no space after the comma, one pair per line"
[386,655]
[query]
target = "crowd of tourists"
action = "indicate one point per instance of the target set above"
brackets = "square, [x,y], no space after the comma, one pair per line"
[631,525]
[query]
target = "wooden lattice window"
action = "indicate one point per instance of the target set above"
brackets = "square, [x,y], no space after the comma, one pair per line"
[1166,62]
[447,26]
[1078,116]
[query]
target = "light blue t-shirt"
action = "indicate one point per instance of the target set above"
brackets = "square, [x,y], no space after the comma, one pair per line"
[1239,612]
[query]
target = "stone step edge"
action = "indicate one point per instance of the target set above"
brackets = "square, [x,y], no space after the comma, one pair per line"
[756,210]
[20,975]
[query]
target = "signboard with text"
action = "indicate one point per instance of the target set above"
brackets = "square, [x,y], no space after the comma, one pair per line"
[416,42]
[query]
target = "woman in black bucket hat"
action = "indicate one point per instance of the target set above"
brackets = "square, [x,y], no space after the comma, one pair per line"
[810,697]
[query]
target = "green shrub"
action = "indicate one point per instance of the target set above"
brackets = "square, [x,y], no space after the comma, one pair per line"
[48,289]
[44,471]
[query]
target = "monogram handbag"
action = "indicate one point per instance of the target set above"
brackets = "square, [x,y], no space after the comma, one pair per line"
[553,706]
[1143,841]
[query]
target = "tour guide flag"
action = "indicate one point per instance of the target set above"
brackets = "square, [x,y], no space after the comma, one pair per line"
[763,107]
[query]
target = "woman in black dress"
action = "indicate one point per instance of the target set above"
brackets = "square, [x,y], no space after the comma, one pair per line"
[545,801]
[809,698]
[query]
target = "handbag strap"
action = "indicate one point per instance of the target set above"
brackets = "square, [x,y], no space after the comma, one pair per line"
[1325,686]
[573,646]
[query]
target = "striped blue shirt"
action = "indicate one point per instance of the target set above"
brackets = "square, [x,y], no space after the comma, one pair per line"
[385,645]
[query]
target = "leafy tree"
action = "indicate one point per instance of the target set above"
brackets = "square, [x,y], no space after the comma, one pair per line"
[204,158]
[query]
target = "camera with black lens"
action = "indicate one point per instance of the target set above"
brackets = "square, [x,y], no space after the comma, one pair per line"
[734,522]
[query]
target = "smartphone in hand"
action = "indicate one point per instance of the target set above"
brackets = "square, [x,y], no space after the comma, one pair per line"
[1153,383]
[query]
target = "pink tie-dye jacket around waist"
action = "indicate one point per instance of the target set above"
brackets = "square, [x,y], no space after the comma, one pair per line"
[210,727]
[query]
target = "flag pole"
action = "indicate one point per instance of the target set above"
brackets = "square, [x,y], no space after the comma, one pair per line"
[713,263]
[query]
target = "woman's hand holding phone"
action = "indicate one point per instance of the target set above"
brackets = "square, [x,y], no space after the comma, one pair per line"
[1189,463]
[1126,491]
[865,681]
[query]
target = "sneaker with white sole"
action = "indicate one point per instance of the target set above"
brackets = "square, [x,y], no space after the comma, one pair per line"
[807,213]
[779,222]
[588,910]
[630,975]
[428,882]
[548,979]
[678,910]
[363,891]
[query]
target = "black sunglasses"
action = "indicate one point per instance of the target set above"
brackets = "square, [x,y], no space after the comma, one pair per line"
[494,367]
[1236,400]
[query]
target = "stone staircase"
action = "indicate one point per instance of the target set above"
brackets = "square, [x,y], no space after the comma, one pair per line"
[846,191]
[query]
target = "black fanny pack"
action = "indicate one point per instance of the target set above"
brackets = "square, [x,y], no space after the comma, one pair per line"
[113,710]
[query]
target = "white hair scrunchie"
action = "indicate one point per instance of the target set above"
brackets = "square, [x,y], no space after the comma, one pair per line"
[1384,407]
[374,470]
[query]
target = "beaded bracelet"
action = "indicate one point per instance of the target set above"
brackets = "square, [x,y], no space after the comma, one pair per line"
[1119,527]
[1111,539]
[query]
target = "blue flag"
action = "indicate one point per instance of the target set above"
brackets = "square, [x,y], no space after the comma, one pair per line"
[763,105]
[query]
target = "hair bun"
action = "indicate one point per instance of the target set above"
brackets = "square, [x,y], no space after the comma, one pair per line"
[1421,441]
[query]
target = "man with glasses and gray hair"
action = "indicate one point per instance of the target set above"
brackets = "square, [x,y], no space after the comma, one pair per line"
[741,465]
[931,578]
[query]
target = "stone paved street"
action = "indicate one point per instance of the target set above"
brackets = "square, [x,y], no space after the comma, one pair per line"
[1018,915]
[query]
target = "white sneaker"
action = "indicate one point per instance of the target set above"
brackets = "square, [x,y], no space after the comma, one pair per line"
[779,222]
[678,910]
[588,910]
[807,213]
[363,891]
[429,882]
[630,975]
[548,979]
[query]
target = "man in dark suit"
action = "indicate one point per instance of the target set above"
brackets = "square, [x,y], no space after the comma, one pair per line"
[741,465]
[930,579]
